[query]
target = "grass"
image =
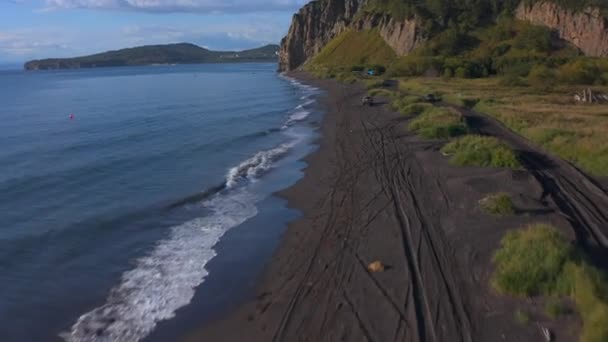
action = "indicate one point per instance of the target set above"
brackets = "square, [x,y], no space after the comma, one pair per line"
[475,150]
[352,48]
[522,317]
[530,261]
[551,119]
[434,122]
[498,204]
[538,260]
[382,92]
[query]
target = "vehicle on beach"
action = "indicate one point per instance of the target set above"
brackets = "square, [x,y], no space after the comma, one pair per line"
[367,101]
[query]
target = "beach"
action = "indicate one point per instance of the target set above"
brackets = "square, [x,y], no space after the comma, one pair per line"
[375,192]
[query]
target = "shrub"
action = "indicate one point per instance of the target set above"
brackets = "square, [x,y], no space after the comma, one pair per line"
[415,108]
[404,101]
[498,204]
[469,102]
[538,260]
[448,73]
[541,77]
[579,72]
[438,123]
[462,72]
[533,38]
[530,260]
[512,81]
[475,150]
[382,92]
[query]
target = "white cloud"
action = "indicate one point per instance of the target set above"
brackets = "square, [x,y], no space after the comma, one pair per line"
[168,6]
[231,34]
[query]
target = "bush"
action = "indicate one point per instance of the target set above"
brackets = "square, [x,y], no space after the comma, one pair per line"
[415,108]
[538,260]
[469,102]
[530,260]
[542,78]
[438,123]
[580,72]
[404,101]
[475,150]
[533,38]
[498,204]
[382,92]
[512,81]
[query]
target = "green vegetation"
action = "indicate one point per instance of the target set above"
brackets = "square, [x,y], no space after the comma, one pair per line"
[498,204]
[475,150]
[538,260]
[352,51]
[522,317]
[435,123]
[530,261]
[549,118]
[156,54]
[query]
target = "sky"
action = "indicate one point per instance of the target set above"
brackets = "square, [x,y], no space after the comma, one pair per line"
[33,29]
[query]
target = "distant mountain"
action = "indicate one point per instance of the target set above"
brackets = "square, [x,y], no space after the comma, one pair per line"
[183,53]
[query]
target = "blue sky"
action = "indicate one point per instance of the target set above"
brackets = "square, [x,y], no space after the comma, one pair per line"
[31,29]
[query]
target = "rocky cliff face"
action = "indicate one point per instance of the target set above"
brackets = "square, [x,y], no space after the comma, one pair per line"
[320,21]
[314,26]
[402,35]
[587,29]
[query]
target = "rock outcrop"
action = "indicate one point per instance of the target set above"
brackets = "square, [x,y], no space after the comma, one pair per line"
[587,29]
[401,35]
[320,21]
[314,26]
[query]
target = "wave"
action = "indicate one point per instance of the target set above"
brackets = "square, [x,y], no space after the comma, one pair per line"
[165,280]
[256,165]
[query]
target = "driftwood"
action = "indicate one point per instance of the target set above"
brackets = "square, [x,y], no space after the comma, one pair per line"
[590,96]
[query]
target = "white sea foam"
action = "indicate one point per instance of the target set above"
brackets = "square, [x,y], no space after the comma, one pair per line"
[165,280]
[256,165]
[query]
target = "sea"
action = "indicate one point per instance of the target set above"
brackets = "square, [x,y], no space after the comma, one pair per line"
[139,203]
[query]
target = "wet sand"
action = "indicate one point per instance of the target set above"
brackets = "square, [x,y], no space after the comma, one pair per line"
[375,192]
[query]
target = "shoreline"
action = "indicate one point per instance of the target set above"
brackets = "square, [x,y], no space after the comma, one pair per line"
[373,191]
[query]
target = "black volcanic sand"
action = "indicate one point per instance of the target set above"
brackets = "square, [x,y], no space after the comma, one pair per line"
[374,191]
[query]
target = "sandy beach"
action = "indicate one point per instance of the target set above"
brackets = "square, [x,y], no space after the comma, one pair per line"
[375,192]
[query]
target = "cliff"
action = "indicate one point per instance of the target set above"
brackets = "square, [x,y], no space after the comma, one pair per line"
[586,29]
[318,22]
[183,53]
[314,26]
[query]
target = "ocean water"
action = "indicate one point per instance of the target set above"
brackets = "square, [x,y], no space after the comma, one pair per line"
[118,185]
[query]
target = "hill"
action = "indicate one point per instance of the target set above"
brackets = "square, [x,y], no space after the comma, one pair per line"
[182,53]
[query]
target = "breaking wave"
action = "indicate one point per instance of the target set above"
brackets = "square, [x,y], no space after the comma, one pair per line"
[166,279]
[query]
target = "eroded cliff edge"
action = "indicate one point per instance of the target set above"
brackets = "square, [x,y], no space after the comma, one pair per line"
[320,21]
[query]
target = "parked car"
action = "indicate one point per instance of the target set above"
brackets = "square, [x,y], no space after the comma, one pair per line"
[367,101]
